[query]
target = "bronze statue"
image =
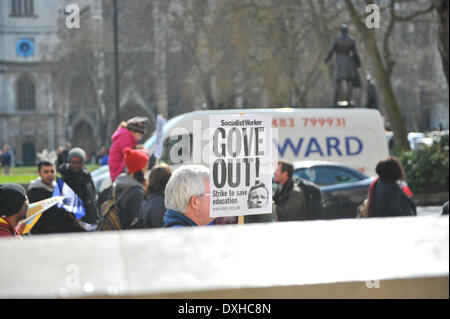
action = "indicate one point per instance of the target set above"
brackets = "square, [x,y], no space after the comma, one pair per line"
[347,62]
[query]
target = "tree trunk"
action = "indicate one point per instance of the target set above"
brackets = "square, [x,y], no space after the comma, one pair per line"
[382,77]
[383,80]
[443,33]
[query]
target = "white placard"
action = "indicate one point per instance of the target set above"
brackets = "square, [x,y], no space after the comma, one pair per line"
[241,164]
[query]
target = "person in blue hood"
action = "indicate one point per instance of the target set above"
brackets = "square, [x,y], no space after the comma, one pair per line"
[187,197]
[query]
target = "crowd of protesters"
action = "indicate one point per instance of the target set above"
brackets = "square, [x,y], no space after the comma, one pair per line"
[168,198]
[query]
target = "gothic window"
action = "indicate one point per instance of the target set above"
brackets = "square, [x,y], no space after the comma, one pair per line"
[25,94]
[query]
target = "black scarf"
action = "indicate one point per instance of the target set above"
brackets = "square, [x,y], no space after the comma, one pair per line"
[282,192]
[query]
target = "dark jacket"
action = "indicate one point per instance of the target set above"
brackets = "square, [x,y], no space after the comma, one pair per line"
[152,211]
[61,159]
[82,184]
[6,158]
[347,59]
[130,203]
[445,209]
[290,202]
[391,200]
[176,219]
[53,220]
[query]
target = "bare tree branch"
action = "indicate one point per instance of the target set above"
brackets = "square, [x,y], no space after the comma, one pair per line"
[413,15]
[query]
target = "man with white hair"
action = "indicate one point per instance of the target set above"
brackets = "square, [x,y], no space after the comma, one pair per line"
[187,197]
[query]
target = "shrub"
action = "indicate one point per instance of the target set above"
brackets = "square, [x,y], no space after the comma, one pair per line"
[427,168]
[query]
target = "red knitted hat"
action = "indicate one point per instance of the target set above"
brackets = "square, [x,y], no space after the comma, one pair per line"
[135,160]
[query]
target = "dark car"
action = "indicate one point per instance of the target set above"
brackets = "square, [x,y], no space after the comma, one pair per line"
[343,188]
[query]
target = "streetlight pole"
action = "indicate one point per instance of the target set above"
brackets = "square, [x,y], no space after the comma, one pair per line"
[116,61]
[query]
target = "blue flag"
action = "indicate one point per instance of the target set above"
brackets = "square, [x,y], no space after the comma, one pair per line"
[71,202]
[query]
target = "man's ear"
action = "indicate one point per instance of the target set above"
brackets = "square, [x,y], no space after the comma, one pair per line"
[194,202]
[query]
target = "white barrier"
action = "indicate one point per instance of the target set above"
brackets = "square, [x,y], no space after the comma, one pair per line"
[374,258]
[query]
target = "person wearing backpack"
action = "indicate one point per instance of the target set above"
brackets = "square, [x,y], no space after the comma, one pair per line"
[289,198]
[130,187]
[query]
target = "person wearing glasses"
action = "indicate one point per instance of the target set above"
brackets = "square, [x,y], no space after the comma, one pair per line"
[187,197]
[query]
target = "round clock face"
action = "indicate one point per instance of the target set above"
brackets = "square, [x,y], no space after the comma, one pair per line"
[25,47]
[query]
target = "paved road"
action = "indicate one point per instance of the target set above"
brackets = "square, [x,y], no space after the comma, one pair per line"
[429,210]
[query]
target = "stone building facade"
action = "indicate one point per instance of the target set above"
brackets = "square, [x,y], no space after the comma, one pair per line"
[29,116]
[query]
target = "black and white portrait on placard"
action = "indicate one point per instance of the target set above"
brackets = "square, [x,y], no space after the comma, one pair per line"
[258,196]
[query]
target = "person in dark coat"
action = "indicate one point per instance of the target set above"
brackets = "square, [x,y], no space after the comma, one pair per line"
[289,199]
[53,220]
[66,152]
[13,209]
[372,96]
[60,157]
[134,184]
[386,196]
[6,159]
[153,207]
[78,178]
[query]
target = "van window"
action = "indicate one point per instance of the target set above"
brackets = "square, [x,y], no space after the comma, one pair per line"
[169,143]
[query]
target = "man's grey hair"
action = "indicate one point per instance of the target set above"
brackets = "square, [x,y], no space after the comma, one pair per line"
[185,182]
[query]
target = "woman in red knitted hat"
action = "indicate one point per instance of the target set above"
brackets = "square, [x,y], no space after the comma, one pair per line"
[134,184]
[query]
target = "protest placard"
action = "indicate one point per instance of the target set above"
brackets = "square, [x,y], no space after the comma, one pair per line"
[241,164]
[35,211]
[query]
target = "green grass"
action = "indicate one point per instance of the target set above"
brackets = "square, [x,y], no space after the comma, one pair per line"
[18,179]
[25,174]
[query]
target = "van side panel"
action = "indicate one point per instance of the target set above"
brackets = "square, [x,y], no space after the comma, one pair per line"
[352,137]
[353,148]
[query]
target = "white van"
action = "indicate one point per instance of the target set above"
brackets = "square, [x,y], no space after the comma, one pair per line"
[352,137]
